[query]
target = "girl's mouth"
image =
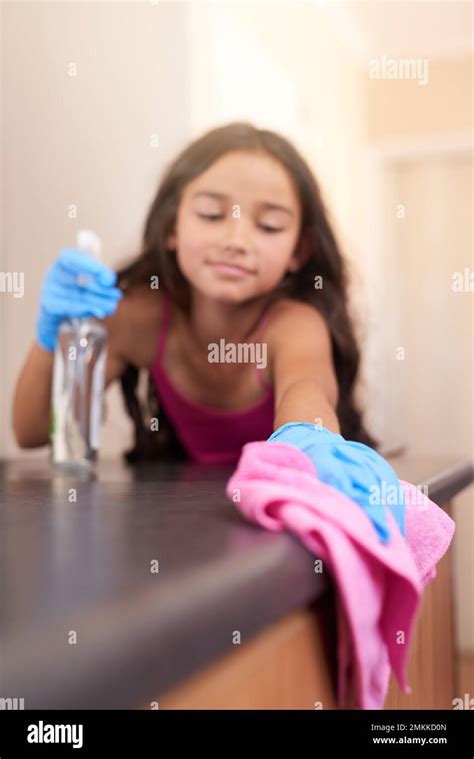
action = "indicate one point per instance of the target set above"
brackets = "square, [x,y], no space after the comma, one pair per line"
[229,270]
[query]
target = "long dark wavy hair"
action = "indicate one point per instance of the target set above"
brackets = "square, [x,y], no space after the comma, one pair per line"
[326,261]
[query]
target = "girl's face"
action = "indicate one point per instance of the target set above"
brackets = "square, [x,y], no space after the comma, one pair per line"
[243,211]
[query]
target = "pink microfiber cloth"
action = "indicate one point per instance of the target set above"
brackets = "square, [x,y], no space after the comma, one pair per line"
[379,585]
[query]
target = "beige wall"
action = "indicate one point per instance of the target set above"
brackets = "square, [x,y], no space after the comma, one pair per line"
[404,108]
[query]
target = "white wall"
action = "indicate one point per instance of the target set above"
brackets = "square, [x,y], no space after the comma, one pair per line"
[83,140]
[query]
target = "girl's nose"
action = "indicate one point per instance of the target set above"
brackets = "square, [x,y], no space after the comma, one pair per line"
[234,246]
[236,236]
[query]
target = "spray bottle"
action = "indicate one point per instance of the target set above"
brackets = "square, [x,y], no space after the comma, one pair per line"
[78,382]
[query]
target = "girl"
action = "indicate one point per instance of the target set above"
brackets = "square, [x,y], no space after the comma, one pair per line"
[237,251]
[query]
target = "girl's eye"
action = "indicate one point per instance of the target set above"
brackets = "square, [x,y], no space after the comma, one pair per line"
[211,217]
[216,217]
[270,229]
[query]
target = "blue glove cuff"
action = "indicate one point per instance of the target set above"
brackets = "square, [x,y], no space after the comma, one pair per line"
[45,335]
[297,432]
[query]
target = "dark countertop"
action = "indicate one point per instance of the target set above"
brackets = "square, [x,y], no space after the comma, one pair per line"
[85,566]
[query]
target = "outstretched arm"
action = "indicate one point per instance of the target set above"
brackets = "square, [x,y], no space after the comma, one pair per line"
[305,381]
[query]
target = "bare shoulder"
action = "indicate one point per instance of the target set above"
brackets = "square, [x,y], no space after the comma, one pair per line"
[299,346]
[294,320]
[132,330]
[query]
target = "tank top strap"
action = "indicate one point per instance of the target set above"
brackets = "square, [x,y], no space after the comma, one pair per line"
[257,332]
[164,326]
[263,320]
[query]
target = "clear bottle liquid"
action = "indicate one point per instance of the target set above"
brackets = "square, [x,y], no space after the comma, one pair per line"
[78,384]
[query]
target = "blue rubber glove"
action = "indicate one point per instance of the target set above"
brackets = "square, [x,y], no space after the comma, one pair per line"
[75,285]
[352,468]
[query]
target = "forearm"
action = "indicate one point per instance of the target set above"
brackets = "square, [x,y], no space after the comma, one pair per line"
[32,400]
[304,401]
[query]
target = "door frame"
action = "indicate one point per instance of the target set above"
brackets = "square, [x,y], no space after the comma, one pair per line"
[379,157]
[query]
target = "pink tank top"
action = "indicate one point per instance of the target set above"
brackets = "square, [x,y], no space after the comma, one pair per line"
[211,435]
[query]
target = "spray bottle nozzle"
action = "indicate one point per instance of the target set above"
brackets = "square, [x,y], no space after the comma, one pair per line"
[89,242]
